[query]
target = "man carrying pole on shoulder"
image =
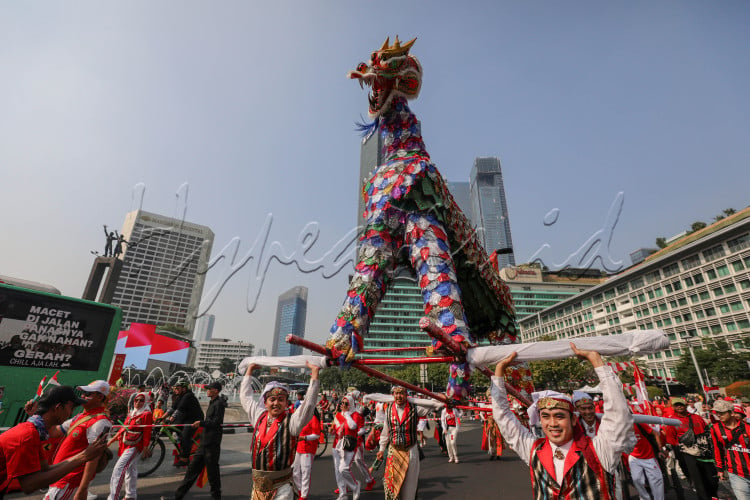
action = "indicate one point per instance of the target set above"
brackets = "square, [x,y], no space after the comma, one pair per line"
[275,433]
[564,466]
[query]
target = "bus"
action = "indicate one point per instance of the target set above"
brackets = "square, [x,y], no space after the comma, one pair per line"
[43,333]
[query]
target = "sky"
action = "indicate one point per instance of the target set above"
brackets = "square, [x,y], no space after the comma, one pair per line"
[244,109]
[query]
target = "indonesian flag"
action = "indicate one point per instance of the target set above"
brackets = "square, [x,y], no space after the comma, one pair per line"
[53,380]
[641,393]
[40,389]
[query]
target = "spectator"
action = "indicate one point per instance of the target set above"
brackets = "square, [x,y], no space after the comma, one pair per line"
[159,410]
[698,468]
[131,399]
[210,445]
[21,447]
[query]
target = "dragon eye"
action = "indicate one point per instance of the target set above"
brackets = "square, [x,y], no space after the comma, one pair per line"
[361,67]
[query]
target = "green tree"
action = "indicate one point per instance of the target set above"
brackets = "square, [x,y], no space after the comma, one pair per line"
[722,364]
[178,329]
[697,226]
[661,242]
[561,375]
[729,211]
[226,365]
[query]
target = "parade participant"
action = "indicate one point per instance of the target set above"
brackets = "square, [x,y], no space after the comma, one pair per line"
[439,434]
[697,466]
[134,437]
[275,433]
[731,440]
[344,447]
[209,448]
[421,427]
[185,410]
[492,440]
[451,422]
[644,467]
[563,466]
[359,414]
[307,446]
[21,447]
[586,413]
[80,432]
[399,436]
[324,405]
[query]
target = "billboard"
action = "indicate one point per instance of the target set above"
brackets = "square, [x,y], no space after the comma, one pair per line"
[141,343]
[52,332]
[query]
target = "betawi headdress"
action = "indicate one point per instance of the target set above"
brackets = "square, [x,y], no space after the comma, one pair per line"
[581,396]
[547,400]
[274,389]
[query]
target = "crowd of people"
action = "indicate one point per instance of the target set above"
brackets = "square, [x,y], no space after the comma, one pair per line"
[576,445]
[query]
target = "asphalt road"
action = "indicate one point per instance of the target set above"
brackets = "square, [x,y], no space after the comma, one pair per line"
[475,475]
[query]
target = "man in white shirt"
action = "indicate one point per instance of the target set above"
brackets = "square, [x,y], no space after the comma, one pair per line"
[565,466]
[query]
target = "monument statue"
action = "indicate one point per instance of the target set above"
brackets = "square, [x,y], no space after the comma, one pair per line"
[111,237]
[118,246]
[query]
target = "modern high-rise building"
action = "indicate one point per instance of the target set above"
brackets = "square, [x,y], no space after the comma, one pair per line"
[370,156]
[164,265]
[697,290]
[291,314]
[461,192]
[204,328]
[490,209]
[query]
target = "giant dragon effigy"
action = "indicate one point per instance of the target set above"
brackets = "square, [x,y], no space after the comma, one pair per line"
[412,219]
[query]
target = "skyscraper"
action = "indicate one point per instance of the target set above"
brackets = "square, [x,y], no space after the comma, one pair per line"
[204,328]
[291,314]
[164,266]
[370,156]
[490,209]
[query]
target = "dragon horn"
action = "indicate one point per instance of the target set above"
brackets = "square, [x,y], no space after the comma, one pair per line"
[386,43]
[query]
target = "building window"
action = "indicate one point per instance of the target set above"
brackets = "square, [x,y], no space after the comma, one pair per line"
[711,274]
[698,278]
[671,270]
[724,308]
[740,243]
[691,262]
[723,270]
[718,291]
[738,265]
[736,306]
[688,281]
[730,288]
[716,329]
[710,311]
[713,253]
[687,317]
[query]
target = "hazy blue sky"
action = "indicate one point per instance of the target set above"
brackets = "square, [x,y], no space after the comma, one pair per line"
[248,103]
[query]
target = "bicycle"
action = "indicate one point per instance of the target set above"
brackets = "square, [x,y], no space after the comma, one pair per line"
[147,466]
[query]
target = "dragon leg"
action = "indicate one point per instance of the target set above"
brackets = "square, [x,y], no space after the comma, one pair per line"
[374,270]
[429,252]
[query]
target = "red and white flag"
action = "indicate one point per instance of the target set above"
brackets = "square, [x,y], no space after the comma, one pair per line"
[53,380]
[40,389]
[641,394]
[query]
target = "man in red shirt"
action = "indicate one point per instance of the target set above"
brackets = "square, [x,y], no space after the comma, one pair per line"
[644,466]
[731,438]
[79,432]
[21,454]
[700,470]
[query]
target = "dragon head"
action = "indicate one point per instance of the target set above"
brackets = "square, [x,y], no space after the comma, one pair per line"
[392,71]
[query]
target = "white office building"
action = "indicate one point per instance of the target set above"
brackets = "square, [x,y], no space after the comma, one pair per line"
[697,290]
[211,352]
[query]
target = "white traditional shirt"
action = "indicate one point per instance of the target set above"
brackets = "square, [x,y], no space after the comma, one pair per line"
[299,418]
[615,432]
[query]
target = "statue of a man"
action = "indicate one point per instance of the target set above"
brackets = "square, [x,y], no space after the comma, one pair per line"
[110,238]
[118,246]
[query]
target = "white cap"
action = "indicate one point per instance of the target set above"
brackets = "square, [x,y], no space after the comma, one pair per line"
[100,386]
